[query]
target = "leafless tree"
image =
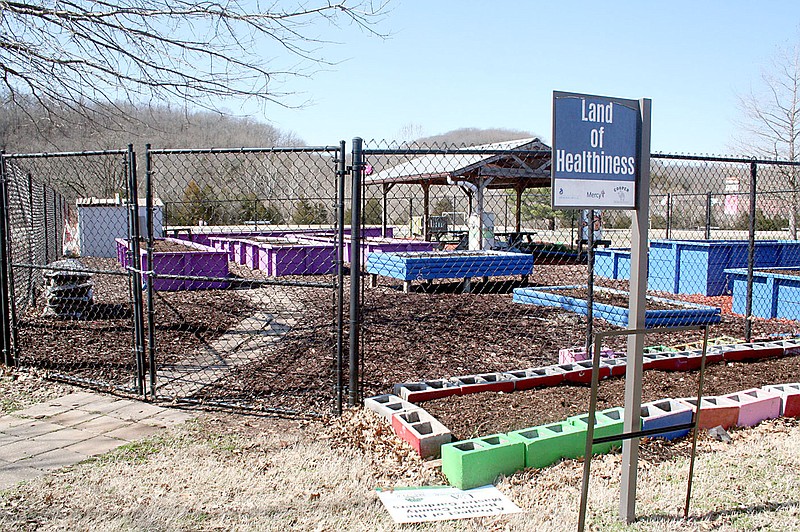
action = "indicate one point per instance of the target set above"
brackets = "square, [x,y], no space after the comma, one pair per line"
[772,121]
[73,55]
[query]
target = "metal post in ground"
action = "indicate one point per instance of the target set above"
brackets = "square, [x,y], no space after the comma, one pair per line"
[151,311]
[46,232]
[136,273]
[751,253]
[708,216]
[5,281]
[355,271]
[341,172]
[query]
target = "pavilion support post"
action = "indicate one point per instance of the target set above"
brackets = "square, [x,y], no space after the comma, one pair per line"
[426,211]
[518,209]
[385,188]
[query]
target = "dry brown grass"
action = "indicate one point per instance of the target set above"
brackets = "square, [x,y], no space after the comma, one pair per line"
[228,473]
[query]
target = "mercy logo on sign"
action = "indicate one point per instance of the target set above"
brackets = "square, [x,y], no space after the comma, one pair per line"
[595,158]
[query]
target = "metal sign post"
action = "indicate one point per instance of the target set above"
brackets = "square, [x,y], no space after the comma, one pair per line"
[601,160]
[636,311]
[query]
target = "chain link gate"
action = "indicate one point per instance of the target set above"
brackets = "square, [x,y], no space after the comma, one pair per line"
[241,271]
[72,318]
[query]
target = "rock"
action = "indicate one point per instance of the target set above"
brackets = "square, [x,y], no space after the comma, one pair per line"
[720,434]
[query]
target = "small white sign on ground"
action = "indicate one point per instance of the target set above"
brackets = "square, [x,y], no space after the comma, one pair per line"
[417,505]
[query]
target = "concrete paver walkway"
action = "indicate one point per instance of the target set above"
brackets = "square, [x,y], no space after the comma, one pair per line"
[72,428]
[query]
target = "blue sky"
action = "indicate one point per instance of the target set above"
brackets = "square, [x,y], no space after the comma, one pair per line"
[451,64]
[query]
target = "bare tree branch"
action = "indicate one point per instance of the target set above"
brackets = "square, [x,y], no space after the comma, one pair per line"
[73,54]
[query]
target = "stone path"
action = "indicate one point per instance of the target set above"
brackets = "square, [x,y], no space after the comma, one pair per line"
[252,338]
[70,429]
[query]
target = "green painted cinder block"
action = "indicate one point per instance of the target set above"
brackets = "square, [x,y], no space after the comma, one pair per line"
[547,444]
[607,423]
[479,461]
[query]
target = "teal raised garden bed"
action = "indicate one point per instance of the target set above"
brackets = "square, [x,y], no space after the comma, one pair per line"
[449,265]
[775,294]
[550,296]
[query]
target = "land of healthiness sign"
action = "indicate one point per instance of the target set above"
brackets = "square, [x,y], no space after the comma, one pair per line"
[595,152]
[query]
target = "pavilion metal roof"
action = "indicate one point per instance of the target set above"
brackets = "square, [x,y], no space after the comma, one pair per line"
[509,164]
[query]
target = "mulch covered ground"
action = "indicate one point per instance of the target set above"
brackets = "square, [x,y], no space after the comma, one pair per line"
[434,331]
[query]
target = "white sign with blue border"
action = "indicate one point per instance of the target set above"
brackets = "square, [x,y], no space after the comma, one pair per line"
[595,162]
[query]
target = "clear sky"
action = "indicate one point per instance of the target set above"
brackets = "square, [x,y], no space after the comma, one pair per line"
[450,64]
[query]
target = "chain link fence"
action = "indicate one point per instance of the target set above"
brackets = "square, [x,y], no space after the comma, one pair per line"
[219,276]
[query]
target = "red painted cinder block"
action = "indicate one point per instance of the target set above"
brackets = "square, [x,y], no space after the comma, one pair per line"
[484,382]
[415,392]
[527,379]
[714,412]
[581,372]
[790,398]
[422,431]
[754,350]
[791,346]
[618,365]
[663,361]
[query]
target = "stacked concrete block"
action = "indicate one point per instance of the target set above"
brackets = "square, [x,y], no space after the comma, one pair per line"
[790,398]
[666,361]
[576,354]
[525,379]
[479,461]
[547,444]
[791,346]
[606,423]
[581,372]
[714,411]
[387,405]
[617,366]
[415,392]
[755,405]
[754,350]
[485,382]
[422,431]
[664,414]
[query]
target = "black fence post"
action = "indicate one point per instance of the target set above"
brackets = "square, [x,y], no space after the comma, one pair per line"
[355,271]
[136,271]
[46,232]
[341,172]
[151,312]
[669,215]
[5,306]
[708,216]
[751,253]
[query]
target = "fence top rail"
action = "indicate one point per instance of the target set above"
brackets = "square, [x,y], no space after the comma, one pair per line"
[288,149]
[46,155]
[720,159]
[451,151]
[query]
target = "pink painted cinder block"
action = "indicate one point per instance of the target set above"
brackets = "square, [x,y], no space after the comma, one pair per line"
[576,354]
[755,405]
[714,411]
[790,398]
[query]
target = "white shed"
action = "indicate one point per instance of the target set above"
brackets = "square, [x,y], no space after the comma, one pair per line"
[101,221]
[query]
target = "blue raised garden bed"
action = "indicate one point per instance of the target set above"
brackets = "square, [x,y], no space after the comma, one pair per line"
[775,295]
[414,266]
[549,296]
[696,266]
[614,263]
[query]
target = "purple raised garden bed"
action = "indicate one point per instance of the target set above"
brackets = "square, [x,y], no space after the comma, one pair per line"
[214,232]
[197,261]
[302,257]
[377,244]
